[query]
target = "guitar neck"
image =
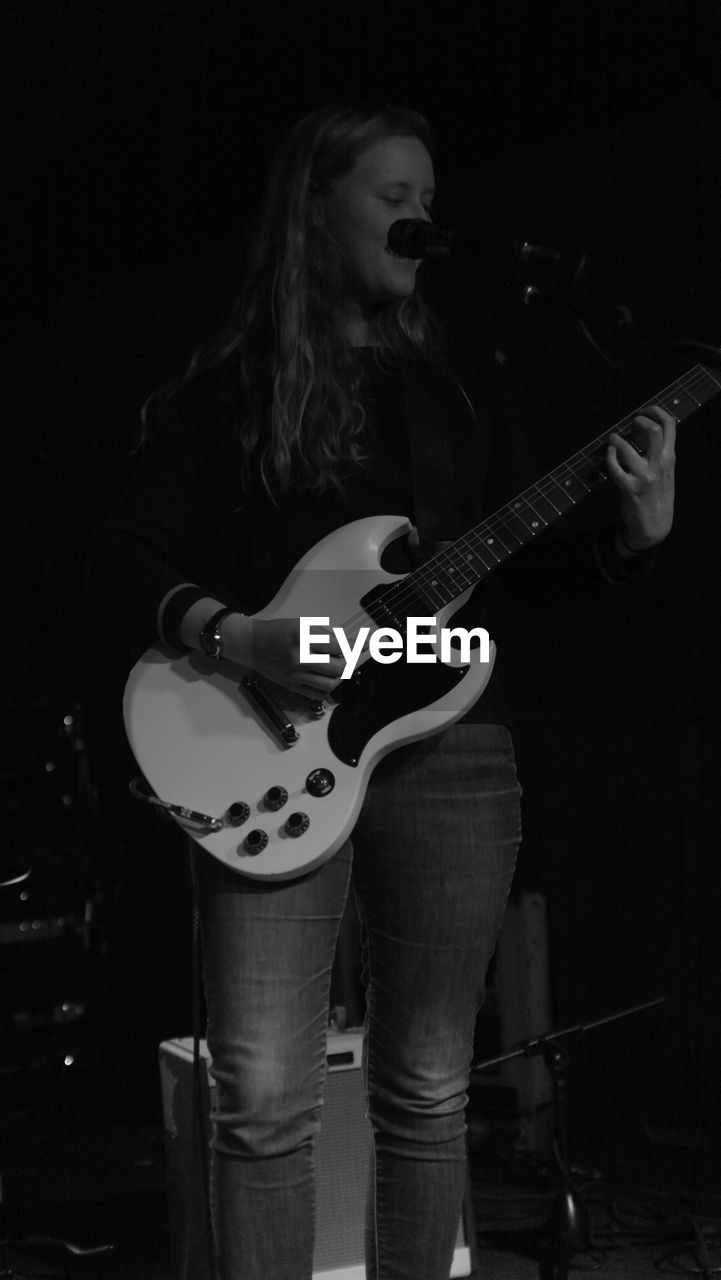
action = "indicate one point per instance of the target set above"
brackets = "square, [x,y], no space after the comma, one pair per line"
[477,553]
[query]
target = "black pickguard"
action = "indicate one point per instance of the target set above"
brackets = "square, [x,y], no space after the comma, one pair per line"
[378,694]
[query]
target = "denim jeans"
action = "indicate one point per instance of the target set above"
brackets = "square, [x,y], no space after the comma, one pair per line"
[430,861]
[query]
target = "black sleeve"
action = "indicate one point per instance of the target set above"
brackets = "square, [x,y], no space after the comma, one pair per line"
[177,522]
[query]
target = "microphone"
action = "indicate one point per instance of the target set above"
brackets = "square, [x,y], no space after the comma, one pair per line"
[416,238]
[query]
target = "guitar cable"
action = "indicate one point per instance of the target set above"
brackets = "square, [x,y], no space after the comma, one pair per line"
[199,1147]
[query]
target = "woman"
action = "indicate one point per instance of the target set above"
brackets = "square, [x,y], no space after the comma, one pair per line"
[296,423]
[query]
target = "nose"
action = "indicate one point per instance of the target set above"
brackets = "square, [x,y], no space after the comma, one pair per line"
[422,211]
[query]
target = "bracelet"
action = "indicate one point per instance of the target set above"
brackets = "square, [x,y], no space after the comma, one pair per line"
[635,551]
[210,638]
[173,611]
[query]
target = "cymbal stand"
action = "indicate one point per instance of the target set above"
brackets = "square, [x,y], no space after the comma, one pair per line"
[567,1229]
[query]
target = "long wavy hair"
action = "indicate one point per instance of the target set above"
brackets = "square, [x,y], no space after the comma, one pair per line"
[300,379]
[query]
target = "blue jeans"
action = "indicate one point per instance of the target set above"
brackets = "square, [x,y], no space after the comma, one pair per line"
[431,862]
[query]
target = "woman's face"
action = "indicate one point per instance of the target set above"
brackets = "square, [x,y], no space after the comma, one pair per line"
[392,179]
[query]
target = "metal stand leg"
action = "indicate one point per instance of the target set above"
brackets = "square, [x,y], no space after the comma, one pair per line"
[568,1227]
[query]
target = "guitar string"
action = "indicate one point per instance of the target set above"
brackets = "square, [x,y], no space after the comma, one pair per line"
[403,591]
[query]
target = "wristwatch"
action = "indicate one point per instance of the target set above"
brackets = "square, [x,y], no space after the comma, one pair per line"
[210,639]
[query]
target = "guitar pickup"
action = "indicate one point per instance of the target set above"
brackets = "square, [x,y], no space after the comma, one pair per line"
[271,710]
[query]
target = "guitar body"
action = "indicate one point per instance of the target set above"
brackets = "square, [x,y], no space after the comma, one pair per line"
[204,744]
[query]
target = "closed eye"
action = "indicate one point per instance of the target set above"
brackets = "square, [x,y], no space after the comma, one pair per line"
[395,202]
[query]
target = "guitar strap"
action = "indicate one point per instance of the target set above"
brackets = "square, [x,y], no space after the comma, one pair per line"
[429,433]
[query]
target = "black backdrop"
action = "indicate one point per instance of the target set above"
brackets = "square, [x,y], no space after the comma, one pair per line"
[140,133]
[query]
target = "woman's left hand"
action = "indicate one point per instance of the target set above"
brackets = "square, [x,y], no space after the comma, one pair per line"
[643,473]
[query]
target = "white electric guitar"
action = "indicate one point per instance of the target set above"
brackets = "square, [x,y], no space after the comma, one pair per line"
[270,782]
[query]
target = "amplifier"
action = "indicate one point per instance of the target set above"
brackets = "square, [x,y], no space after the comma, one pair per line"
[342,1155]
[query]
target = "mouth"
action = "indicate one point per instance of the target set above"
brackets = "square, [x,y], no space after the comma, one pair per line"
[399,257]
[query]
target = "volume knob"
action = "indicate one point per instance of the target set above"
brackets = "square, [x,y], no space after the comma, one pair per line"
[254,842]
[275,798]
[296,824]
[238,813]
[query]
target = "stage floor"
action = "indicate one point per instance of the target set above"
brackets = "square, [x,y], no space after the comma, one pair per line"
[86,1166]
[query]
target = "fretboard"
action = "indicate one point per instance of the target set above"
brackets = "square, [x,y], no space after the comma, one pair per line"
[463,563]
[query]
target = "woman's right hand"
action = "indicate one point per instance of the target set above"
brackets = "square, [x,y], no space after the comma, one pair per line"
[271,647]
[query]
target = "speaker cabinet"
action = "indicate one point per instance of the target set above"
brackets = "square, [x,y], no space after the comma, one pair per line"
[342,1155]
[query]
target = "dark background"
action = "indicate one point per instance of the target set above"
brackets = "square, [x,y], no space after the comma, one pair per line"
[140,133]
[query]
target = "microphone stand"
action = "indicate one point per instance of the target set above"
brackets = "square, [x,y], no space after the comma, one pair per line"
[567,1229]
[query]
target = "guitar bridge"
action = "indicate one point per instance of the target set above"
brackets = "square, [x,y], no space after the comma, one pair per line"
[271,710]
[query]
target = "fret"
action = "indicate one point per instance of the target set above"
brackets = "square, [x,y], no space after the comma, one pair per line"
[524,518]
[457,570]
[436,592]
[559,494]
[506,541]
[491,547]
[701,382]
[445,576]
[485,555]
[448,582]
[681,403]
[514,525]
[533,518]
[574,485]
[478,559]
[690,393]
[543,507]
